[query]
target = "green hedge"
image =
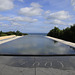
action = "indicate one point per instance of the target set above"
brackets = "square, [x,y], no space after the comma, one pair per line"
[65,34]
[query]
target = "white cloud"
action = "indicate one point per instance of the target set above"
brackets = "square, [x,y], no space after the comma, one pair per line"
[58,18]
[59,22]
[31,11]
[60,15]
[56,22]
[6,5]
[14,23]
[4,18]
[21,0]
[24,19]
[18,18]
[2,24]
[27,19]
[73,3]
[36,5]
[47,12]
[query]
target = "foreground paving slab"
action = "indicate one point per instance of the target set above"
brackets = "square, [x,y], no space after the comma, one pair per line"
[30,66]
[52,71]
[7,70]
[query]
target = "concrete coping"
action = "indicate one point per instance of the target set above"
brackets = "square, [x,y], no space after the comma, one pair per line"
[10,39]
[62,41]
[6,37]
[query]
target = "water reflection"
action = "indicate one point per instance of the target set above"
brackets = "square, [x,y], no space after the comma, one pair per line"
[72,48]
[55,41]
[35,44]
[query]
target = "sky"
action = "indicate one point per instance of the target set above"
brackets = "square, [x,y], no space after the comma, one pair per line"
[36,16]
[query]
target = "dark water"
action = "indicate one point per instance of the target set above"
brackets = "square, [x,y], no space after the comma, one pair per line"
[35,44]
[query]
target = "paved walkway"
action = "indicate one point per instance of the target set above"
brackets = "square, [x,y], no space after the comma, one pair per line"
[62,41]
[9,39]
[6,37]
[41,66]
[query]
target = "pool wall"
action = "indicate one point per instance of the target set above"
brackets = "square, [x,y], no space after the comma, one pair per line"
[10,39]
[62,41]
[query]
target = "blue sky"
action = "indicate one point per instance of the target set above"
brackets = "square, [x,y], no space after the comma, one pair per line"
[36,16]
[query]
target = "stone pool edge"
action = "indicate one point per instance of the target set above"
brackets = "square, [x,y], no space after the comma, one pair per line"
[62,41]
[10,39]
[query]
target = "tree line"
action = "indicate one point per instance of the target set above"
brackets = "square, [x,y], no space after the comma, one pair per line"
[67,34]
[17,33]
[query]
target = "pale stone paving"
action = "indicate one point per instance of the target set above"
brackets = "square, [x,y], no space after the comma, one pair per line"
[41,66]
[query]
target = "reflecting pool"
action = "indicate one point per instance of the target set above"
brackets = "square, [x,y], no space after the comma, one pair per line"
[35,45]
